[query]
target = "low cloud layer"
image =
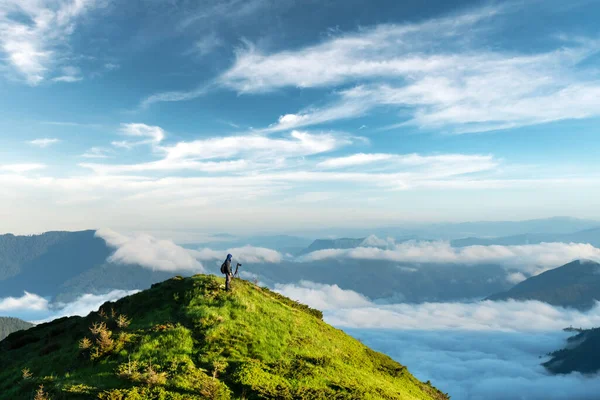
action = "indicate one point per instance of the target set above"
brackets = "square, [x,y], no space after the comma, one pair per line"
[149,252]
[348,309]
[27,302]
[473,351]
[33,307]
[323,297]
[86,303]
[531,259]
[483,365]
[249,254]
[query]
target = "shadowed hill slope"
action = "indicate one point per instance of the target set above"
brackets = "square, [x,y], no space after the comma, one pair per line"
[576,284]
[189,339]
[582,354]
[64,265]
[9,325]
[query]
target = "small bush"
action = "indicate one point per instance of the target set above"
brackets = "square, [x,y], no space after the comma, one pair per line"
[122,321]
[154,378]
[85,343]
[40,394]
[26,374]
[219,365]
[98,327]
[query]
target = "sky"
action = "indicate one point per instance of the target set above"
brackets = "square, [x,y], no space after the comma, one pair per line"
[258,115]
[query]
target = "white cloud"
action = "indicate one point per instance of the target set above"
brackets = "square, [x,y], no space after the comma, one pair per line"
[45,142]
[314,116]
[243,254]
[348,309]
[373,52]
[67,78]
[27,302]
[20,168]
[295,145]
[86,303]
[314,197]
[97,152]
[152,135]
[322,297]
[168,165]
[531,259]
[259,152]
[486,315]
[516,277]
[374,241]
[34,48]
[149,252]
[175,96]
[207,44]
[483,365]
[441,165]
[31,306]
[354,160]
[484,350]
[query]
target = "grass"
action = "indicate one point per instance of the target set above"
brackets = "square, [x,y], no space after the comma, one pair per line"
[189,339]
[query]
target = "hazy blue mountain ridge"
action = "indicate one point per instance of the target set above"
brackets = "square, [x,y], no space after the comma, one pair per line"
[576,284]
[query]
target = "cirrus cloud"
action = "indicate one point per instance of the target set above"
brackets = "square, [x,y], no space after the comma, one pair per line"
[45,142]
[33,49]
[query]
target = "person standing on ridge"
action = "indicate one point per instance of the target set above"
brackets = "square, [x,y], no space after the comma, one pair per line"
[226,269]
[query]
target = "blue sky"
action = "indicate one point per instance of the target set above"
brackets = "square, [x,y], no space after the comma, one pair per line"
[285,115]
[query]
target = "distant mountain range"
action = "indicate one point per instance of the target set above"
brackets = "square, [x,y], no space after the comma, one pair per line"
[591,236]
[576,284]
[9,325]
[323,244]
[285,244]
[557,229]
[458,230]
[582,354]
[64,265]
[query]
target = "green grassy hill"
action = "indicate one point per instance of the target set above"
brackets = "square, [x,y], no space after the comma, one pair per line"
[9,325]
[189,339]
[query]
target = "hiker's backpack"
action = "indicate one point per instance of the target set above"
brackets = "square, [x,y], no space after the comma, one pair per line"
[223,270]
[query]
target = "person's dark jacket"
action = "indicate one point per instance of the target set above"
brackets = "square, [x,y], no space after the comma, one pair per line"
[227,268]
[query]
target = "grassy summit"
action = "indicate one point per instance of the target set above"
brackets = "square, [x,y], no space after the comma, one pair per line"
[188,339]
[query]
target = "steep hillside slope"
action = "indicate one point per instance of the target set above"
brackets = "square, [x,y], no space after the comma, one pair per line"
[9,325]
[189,339]
[576,284]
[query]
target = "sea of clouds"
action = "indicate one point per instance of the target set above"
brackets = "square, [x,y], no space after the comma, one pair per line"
[473,351]
[520,261]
